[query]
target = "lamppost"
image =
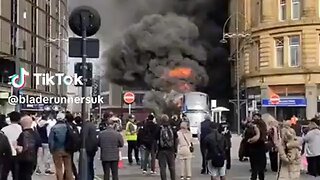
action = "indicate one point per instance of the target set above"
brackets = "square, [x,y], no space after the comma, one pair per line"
[237,35]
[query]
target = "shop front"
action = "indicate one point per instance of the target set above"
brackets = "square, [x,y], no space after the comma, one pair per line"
[286,108]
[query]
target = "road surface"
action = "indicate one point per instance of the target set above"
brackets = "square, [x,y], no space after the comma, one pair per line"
[239,170]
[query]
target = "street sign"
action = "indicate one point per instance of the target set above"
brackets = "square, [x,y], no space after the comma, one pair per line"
[129,97]
[275,99]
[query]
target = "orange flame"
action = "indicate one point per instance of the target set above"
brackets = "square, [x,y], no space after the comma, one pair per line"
[180,72]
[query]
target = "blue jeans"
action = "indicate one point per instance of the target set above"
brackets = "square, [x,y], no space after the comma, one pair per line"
[144,160]
[90,166]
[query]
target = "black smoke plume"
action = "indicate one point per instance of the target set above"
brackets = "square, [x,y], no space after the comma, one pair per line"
[188,37]
[150,49]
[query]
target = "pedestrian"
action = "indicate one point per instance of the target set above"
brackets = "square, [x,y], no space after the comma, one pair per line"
[131,136]
[175,123]
[167,148]
[215,144]
[148,141]
[203,131]
[73,127]
[140,135]
[5,151]
[117,122]
[57,145]
[12,132]
[109,142]
[91,145]
[3,122]
[247,134]
[312,143]
[224,129]
[290,154]
[257,148]
[185,150]
[28,144]
[78,122]
[45,158]
[272,126]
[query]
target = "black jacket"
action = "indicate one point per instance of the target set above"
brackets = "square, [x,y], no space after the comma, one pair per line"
[224,129]
[215,143]
[90,131]
[5,148]
[147,134]
[205,129]
[31,142]
[175,124]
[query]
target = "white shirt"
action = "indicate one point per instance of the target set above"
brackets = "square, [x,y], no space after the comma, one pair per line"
[51,123]
[12,132]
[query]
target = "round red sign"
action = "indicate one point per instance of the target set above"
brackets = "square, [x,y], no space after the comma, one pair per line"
[275,99]
[129,97]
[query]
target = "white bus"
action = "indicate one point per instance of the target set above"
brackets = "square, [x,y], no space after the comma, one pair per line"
[195,106]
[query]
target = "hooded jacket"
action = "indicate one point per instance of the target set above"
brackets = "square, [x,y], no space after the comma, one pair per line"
[290,156]
[312,140]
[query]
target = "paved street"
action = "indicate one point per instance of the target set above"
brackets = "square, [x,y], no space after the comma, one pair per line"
[239,170]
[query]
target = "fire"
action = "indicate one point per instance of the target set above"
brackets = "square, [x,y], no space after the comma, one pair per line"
[180,72]
[185,87]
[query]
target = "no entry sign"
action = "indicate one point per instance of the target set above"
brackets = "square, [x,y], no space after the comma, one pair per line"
[275,99]
[129,97]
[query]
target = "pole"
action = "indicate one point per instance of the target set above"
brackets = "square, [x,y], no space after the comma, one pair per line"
[129,108]
[83,163]
[238,68]
[275,112]
[100,109]
[17,61]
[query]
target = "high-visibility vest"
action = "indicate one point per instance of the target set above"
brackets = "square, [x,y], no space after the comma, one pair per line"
[129,136]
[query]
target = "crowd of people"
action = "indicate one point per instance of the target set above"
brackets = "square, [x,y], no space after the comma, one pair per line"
[47,145]
[264,134]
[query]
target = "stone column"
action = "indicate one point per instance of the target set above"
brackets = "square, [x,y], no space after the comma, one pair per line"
[311,96]
[264,95]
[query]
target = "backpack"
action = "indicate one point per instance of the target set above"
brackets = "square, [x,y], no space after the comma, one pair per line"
[73,139]
[218,159]
[30,145]
[166,137]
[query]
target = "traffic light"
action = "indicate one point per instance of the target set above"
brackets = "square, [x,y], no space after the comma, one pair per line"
[7,69]
[95,90]
[78,71]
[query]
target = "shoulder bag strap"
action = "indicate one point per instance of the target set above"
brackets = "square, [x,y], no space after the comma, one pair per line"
[185,139]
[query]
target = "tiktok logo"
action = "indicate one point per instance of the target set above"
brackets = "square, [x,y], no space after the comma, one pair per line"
[19,81]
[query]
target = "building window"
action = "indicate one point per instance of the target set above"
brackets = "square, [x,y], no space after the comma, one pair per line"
[296,10]
[294,51]
[282,10]
[279,42]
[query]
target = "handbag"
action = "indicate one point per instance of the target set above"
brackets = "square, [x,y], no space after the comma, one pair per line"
[191,148]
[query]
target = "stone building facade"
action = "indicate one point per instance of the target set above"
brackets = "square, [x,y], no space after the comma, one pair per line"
[281,55]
